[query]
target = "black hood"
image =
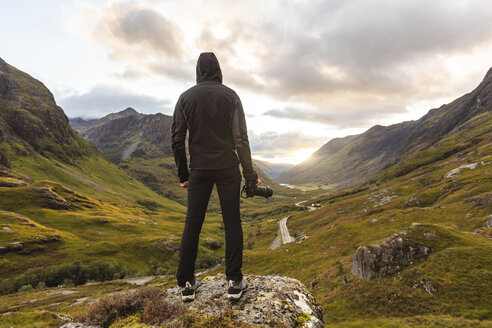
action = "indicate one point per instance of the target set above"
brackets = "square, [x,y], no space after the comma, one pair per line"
[208,68]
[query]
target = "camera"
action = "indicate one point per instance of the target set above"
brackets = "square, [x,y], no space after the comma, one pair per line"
[250,189]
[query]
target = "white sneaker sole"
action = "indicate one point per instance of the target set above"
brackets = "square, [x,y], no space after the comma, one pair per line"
[188,298]
[235,296]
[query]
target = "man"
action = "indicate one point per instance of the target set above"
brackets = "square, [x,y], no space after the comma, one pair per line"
[213,115]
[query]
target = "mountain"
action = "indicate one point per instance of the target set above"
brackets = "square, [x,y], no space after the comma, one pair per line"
[346,162]
[81,124]
[141,145]
[30,120]
[273,170]
[121,134]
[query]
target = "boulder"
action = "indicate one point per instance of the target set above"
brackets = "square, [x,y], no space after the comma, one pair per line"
[77,325]
[271,298]
[388,257]
[488,222]
[480,201]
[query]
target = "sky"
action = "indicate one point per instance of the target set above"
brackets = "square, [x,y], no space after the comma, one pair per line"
[306,71]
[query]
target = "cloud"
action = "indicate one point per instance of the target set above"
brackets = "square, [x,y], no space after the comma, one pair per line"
[271,144]
[353,62]
[105,99]
[370,46]
[337,117]
[139,29]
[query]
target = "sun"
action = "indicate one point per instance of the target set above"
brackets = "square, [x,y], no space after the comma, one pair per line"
[301,155]
[293,157]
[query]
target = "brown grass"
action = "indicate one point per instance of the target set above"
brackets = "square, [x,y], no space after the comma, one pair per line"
[150,300]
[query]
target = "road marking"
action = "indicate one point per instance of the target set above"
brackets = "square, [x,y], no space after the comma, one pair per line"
[286,238]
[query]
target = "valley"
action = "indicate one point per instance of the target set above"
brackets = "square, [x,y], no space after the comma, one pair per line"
[85,210]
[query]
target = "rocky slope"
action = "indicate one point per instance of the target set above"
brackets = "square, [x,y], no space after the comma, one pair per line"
[345,162]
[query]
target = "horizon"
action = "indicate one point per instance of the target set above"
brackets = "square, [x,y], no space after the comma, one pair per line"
[335,69]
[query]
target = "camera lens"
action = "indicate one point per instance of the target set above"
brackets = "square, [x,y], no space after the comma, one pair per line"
[264,192]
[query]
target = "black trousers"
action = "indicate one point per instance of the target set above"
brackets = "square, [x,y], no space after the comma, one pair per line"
[200,186]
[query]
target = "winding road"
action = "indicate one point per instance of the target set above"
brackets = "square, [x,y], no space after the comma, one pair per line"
[284,232]
[286,238]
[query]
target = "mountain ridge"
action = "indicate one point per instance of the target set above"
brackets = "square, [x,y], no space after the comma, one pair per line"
[272,170]
[141,145]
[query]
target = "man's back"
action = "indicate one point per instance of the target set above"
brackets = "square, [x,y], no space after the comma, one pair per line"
[214,117]
[208,109]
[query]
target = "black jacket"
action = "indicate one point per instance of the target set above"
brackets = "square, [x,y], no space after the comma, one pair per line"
[214,117]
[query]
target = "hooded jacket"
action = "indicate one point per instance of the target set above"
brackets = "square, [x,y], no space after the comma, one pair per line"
[214,118]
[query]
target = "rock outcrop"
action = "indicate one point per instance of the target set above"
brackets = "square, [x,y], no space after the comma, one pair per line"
[388,257]
[49,198]
[488,222]
[269,298]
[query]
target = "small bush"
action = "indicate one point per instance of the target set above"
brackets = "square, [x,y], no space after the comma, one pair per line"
[41,285]
[148,300]
[213,244]
[25,288]
[149,204]
[207,260]
[157,310]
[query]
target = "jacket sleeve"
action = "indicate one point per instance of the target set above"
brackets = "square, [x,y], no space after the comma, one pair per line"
[178,137]
[241,142]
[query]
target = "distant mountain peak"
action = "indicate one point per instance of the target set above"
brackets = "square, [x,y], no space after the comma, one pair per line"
[128,111]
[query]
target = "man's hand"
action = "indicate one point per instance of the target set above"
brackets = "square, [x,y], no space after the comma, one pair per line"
[258,181]
[185,184]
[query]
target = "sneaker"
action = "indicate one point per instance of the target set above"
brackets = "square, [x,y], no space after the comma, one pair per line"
[236,289]
[188,292]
